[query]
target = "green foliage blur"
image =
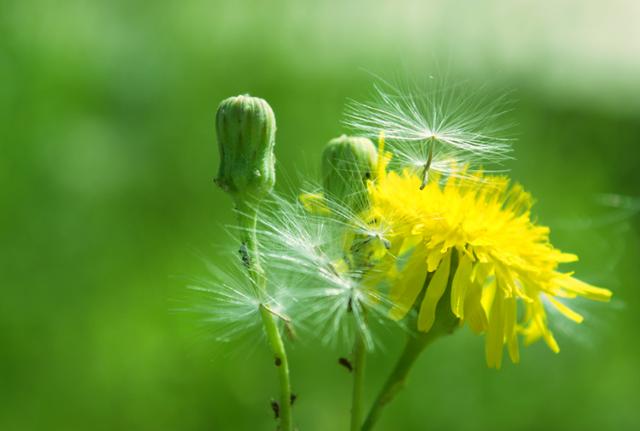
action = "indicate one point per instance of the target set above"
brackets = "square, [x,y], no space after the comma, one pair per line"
[107,202]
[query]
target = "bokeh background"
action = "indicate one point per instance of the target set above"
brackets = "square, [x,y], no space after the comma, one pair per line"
[107,155]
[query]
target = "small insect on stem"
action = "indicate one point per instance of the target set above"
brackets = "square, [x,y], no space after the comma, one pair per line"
[244,255]
[346,363]
[293,398]
[427,166]
[276,409]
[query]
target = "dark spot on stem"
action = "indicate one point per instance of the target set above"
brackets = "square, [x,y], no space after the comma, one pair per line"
[346,363]
[278,361]
[276,409]
[221,183]
[293,399]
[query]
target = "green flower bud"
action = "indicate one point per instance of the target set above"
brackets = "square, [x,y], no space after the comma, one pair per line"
[246,129]
[347,163]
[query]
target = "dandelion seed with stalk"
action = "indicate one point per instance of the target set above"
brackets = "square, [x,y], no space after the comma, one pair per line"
[434,127]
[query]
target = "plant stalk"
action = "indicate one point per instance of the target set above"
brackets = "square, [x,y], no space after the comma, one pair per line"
[280,357]
[446,322]
[357,397]
[247,219]
[397,379]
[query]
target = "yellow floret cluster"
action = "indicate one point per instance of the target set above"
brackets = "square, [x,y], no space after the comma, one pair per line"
[472,237]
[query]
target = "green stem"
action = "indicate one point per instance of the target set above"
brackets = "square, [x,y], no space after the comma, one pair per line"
[249,252]
[446,322]
[397,379]
[282,363]
[357,398]
[247,219]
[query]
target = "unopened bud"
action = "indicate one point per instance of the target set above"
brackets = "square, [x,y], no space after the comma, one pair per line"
[246,128]
[348,162]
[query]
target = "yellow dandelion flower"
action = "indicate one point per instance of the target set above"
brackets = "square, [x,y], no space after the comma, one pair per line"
[472,237]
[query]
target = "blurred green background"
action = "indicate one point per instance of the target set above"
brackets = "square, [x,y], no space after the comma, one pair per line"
[106,198]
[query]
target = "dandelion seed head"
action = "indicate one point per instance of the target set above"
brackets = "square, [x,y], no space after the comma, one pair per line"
[226,302]
[305,254]
[414,156]
[458,123]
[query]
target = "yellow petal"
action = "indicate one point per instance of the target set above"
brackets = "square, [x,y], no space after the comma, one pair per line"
[548,337]
[488,294]
[514,349]
[510,316]
[459,286]
[494,339]
[433,260]
[583,289]
[437,286]
[540,319]
[409,284]
[473,310]
[566,311]
[481,271]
